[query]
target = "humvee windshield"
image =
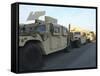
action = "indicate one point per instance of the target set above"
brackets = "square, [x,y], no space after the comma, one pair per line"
[77,33]
[31,29]
[41,28]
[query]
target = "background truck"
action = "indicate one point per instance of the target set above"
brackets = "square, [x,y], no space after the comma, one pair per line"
[77,36]
[40,38]
[91,36]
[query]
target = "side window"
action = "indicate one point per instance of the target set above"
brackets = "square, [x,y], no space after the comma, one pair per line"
[64,31]
[56,29]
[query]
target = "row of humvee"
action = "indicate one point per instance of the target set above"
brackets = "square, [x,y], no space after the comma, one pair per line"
[45,37]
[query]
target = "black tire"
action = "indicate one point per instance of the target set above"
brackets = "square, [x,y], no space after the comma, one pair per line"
[88,41]
[78,43]
[30,57]
[67,49]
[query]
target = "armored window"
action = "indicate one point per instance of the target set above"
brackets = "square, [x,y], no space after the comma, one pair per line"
[64,31]
[56,30]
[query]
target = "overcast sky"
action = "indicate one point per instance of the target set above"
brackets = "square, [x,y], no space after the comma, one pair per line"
[85,18]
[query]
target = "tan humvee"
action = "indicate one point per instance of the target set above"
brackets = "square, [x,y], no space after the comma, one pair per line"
[50,36]
[90,36]
[78,36]
[40,38]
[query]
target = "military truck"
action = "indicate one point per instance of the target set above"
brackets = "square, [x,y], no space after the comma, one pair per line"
[40,38]
[78,36]
[90,36]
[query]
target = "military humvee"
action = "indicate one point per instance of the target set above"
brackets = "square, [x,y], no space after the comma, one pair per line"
[78,36]
[41,38]
[90,36]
